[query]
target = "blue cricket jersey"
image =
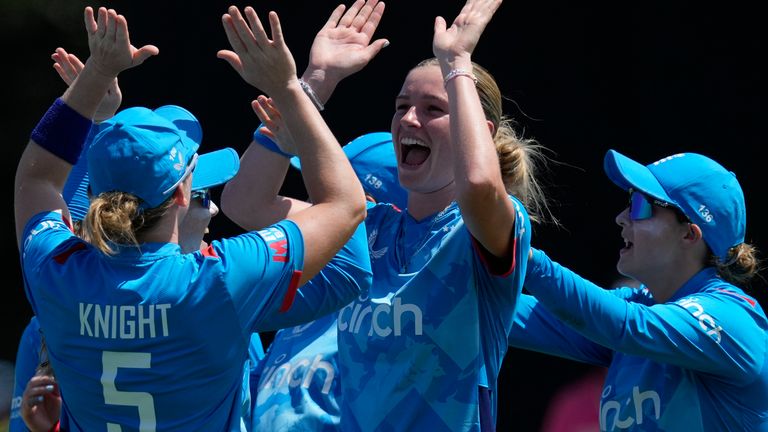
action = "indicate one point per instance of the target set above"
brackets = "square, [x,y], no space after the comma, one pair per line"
[154,339]
[296,386]
[698,362]
[27,359]
[414,351]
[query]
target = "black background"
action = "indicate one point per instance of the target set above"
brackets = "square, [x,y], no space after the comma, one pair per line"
[646,78]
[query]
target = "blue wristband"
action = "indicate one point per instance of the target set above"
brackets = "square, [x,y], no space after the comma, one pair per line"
[62,131]
[267,143]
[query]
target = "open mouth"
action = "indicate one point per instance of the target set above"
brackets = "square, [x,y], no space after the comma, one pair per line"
[413,152]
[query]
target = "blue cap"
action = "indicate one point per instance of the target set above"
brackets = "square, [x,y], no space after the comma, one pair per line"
[372,156]
[149,153]
[708,194]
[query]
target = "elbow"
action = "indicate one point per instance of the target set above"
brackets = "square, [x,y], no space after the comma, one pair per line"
[479,188]
[231,206]
[359,211]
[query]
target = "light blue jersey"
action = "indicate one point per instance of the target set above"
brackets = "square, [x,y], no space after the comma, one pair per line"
[27,359]
[424,347]
[296,387]
[154,339]
[698,362]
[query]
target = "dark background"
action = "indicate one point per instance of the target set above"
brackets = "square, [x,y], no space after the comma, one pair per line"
[648,79]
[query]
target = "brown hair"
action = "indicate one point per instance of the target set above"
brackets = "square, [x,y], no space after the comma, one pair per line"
[740,267]
[520,159]
[116,217]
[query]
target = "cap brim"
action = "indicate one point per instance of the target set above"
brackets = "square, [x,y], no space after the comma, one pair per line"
[358,145]
[183,120]
[626,174]
[215,168]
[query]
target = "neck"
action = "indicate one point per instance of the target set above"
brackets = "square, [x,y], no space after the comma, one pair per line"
[664,284]
[421,205]
[165,231]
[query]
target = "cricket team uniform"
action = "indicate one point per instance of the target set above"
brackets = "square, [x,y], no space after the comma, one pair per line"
[154,339]
[698,362]
[423,348]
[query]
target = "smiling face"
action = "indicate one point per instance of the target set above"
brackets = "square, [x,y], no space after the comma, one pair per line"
[653,247]
[421,132]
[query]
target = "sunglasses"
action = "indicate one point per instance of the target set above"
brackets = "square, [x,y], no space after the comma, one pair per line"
[641,205]
[204,196]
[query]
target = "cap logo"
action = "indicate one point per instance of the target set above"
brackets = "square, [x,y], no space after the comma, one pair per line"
[668,158]
[178,166]
[705,213]
[373,181]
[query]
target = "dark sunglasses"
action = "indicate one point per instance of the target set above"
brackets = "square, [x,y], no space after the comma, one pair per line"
[204,196]
[641,205]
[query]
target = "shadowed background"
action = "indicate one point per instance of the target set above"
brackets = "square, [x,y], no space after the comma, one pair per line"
[648,80]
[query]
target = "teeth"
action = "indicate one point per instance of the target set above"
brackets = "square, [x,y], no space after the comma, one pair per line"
[412,141]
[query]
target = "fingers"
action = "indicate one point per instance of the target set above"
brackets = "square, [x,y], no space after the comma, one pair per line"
[351,13]
[333,20]
[369,27]
[243,32]
[37,387]
[256,27]
[277,29]
[101,22]
[232,36]
[90,21]
[364,14]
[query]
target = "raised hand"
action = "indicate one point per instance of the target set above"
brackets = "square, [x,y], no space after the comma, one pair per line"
[343,46]
[41,403]
[460,39]
[274,127]
[110,45]
[265,63]
[69,67]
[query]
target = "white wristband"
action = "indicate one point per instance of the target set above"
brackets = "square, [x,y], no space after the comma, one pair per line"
[457,73]
[312,95]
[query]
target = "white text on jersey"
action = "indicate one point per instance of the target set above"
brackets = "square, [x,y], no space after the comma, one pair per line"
[124,321]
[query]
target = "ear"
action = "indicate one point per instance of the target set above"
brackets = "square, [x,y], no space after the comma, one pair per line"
[490,127]
[693,233]
[179,197]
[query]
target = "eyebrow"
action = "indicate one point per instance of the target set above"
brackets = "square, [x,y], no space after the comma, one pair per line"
[427,97]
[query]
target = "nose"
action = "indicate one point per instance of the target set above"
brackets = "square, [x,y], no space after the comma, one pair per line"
[213,209]
[410,117]
[622,219]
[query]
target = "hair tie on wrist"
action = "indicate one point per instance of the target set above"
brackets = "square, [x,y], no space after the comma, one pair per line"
[267,143]
[457,73]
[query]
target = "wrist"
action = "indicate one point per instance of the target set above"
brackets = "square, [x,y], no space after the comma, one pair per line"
[312,95]
[322,82]
[62,131]
[268,143]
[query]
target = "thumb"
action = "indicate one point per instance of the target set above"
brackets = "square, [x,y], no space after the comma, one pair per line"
[439,24]
[232,58]
[376,46]
[144,53]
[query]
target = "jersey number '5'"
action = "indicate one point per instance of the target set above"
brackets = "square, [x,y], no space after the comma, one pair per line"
[110,362]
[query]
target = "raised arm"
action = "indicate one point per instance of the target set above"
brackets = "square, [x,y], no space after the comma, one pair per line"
[485,207]
[343,46]
[338,202]
[58,139]
[69,66]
